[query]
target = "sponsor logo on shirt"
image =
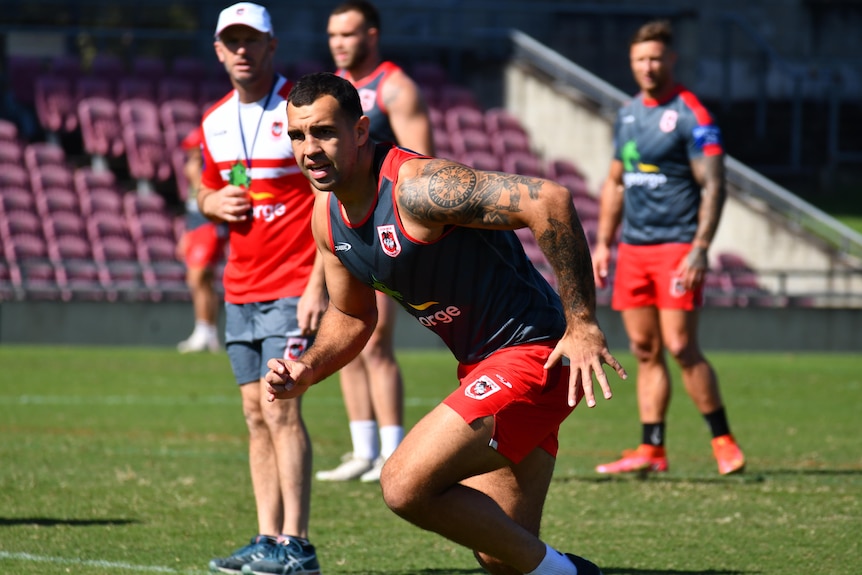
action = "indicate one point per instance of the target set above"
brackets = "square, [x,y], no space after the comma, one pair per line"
[342,247]
[638,173]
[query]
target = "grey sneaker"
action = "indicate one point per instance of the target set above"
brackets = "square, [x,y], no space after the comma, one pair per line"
[258,548]
[373,474]
[351,468]
[583,566]
[289,557]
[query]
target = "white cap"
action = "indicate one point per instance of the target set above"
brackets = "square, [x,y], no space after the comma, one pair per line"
[245,14]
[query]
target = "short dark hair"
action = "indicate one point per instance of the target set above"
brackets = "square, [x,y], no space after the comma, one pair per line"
[654,31]
[367,9]
[312,87]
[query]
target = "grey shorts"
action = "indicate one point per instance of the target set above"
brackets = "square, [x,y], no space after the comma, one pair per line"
[258,332]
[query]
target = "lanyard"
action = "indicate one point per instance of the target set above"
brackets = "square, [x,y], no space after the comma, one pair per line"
[248,157]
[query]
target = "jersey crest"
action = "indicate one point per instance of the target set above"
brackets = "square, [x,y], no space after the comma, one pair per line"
[389,240]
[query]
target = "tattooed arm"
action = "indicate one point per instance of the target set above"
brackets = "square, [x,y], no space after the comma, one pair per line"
[432,194]
[708,171]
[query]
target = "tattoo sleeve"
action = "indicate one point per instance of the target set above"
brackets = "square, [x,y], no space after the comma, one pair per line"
[709,173]
[450,193]
[565,246]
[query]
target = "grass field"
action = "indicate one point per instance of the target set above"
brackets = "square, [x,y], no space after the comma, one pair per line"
[134,461]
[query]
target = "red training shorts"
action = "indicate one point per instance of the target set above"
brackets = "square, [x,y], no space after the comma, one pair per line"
[646,276]
[528,402]
[204,247]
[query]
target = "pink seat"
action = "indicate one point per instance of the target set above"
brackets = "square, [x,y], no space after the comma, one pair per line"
[507,141]
[19,222]
[100,127]
[559,168]
[170,88]
[463,117]
[17,198]
[523,163]
[148,68]
[21,74]
[481,161]
[500,119]
[60,200]
[55,104]
[51,176]
[66,224]
[66,66]
[10,152]
[211,91]
[99,200]
[14,176]
[135,87]
[145,154]
[155,225]
[107,66]
[40,154]
[575,184]
[94,87]
[178,118]
[467,141]
[192,69]
[8,131]
[451,95]
[136,205]
[139,112]
[86,178]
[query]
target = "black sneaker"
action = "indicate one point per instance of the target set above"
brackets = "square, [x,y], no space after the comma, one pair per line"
[583,566]
[258,548]
[288,557]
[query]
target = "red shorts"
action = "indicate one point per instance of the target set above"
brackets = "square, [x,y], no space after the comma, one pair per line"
[204,246]
[528,402]
[645,276]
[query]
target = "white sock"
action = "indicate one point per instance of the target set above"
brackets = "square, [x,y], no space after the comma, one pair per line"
[390,438]
[203,328]
[554,563]
[363,434]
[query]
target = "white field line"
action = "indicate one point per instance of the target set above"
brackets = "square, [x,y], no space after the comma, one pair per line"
[93,563]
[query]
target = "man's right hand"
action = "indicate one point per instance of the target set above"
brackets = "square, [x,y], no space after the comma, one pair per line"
[229,204]
[286,379]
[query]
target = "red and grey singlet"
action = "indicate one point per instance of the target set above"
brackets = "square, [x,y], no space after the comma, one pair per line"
[474,288]
[369,89]
[656,142]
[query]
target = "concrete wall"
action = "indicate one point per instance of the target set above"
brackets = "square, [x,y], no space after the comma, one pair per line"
[164,324]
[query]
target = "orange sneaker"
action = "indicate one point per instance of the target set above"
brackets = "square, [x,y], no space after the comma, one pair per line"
[728,455]
[644,458]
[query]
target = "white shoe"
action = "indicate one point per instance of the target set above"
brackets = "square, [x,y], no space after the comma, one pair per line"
[373,474]
[198,342]
[350,468]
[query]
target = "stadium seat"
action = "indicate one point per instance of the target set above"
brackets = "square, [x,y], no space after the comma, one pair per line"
[463,117]
[467,141]
[148,68]
[190,68]
[101,132]
[437,118]
[211,91]
[94,87]
[59,200]
[575,184]
[107,66]
[10,152]
[51,176]
[718,289]
[14,176]
[139,204]
[559,168]
[8,131]
[17,198]
[481,161]
[146,157]
[178,118]
[536,256]
[86,178]
[746,284]
[99,200]
[588,208]
[451,95]
[139,112]
[65,224]
[18,222]
[507,141]
[169,88]
[66,66]
[21,74]
[442,143]
[55,104]
[500,119]
[429,73]
[135,88]
[523,163]
[40,154]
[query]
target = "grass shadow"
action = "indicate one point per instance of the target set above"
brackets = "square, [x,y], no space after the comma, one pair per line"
[54,521]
